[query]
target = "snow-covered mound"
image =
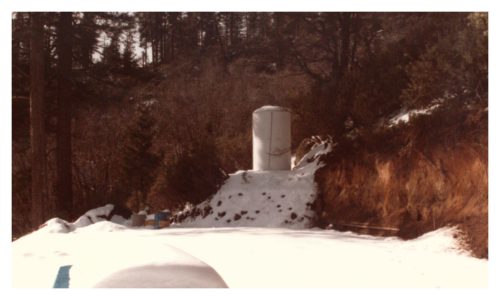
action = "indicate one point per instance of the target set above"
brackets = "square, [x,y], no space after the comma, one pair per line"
[262,198]
[105,254]
[57,225]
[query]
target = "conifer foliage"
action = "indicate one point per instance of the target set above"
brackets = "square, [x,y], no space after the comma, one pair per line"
[139,160]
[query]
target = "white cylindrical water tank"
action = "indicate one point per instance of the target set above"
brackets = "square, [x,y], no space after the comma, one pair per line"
[271,138]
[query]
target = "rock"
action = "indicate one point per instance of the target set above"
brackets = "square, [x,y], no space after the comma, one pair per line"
[206,211]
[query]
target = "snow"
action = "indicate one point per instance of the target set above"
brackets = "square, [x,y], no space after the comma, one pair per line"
[311,159]
[118,219]
[264,198]
[262,246]
[56,225]
[404,115]
[149,103]
[106,254]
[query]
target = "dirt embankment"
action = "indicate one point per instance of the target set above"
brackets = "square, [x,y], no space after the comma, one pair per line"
[428,174]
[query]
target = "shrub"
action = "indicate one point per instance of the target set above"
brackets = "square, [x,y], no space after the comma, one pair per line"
[191,176]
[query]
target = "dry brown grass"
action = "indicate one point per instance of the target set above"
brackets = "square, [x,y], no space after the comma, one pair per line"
[431,174]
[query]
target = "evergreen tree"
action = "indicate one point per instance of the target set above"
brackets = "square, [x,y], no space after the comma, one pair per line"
[129,62]
[139,160]
[38,135]
[188,33]
[111,54]
[86,33]
[174,20]
[454,67]
[64,153]
[208,28]
[20,53]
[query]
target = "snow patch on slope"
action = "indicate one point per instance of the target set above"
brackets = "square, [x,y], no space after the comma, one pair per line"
[405,115]
[262,198]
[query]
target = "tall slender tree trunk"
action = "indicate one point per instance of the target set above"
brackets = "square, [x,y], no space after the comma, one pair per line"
[172,45]
[37,130]
[280,41]
[231,36]
[64,204]
[345,42]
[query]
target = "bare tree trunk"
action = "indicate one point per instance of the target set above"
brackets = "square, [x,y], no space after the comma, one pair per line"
[173,31]
[37,106]
[345,42]
[280,42]
[64,153]
[231,27]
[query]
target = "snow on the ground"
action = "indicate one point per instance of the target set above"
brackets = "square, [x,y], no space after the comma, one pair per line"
[107,254]
[264,198]
[110,255]
[99,214]
[244,252]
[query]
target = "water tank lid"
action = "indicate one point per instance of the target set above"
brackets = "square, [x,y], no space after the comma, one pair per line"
[271,108]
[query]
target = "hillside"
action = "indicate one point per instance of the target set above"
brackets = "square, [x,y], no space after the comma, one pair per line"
[248,234]
[417,177]
[117,115]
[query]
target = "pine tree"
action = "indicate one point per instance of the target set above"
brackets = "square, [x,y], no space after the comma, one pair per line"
[38,134]
[129,62]
[139,161]
[209,29]
[111,57]
[64,204]
[20,53]
[87,39]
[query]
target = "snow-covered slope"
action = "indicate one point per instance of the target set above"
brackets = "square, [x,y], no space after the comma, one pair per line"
[262,198]
[105,254]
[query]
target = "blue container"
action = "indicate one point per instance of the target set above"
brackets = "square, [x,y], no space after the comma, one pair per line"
[160,216]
